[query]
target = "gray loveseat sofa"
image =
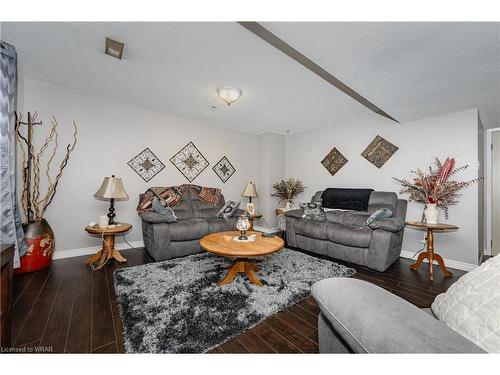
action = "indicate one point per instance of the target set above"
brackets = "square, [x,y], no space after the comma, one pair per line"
[359,317]
[196,219]
[345,236]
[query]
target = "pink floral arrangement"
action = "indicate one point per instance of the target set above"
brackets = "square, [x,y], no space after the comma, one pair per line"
[436,186]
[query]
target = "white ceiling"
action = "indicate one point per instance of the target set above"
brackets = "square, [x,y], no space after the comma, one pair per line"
[410,70]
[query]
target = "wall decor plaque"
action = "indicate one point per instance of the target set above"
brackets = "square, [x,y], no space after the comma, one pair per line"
[189,161]
[146,164]
[379,151]
[334,161]
[224,169]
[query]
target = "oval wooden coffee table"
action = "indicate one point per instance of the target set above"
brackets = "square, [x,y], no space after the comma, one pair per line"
[223,244]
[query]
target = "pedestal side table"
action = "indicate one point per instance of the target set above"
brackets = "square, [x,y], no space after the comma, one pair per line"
[430,254]
[108,244]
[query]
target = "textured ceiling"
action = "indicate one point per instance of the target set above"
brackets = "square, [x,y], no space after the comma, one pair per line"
[410,70]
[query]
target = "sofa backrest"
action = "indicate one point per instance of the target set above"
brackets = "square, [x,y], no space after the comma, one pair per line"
[378,199]
[204,210]
[191,207]
[382,199]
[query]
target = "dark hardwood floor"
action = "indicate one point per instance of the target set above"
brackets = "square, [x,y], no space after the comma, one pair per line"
[70,308]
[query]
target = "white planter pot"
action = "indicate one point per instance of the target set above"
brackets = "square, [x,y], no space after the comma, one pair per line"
[431,213]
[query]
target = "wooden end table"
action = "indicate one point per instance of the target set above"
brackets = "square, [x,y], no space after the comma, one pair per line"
[430,254]
[243,253]
[108,244]
[251,218]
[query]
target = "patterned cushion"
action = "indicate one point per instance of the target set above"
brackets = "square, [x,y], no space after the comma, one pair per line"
[313,211]
[228,210]
[164,210]
[471,306]
[380,214]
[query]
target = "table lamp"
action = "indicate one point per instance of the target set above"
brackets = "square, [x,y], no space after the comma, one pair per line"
[111,189]
[250,192]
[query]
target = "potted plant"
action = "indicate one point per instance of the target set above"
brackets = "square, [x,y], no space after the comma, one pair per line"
[37,231]
[435,188]
[286,190]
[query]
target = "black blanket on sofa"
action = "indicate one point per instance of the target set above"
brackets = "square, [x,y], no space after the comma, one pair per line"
[346,199]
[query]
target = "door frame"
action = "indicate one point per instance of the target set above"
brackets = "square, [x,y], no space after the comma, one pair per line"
[488,186]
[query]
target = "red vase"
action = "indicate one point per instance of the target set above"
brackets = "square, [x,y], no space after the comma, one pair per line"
[40,240]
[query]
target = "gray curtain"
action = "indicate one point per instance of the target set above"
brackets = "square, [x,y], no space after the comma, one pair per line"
[11,229]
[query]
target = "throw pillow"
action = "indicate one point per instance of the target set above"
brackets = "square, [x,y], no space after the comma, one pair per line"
[380,214]
[313,211]
[158,207]
[228,210]
[471,306]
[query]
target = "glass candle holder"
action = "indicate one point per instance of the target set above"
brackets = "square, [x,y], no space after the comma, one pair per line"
[243,224]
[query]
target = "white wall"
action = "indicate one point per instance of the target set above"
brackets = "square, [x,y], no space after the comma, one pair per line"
[109,135]
[271,166]
[452,135]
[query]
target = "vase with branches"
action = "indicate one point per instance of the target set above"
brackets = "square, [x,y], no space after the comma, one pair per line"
[38,233]
[286,190]
[436,186]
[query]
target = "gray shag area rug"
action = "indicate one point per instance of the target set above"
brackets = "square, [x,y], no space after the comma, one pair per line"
[176,306]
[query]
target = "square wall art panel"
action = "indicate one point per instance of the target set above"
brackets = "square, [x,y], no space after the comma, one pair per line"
[379,151]
[334,161]
[224,169]
[146,165]
[189,161]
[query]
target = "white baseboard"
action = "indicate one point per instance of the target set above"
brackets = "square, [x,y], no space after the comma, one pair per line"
[449,262]
[94,249]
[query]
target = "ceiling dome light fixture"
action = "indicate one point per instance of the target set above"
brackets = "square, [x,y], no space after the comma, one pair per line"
[229,94]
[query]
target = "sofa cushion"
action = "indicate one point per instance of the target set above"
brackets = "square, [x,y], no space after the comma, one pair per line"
[204,210]
[392,224]
[471,306]
[313,229]
[221,225]
[349,235]
[191,229]
[356,218]
[335,216]
[184,209]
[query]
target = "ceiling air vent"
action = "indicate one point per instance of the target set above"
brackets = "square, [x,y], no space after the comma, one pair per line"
[114,48]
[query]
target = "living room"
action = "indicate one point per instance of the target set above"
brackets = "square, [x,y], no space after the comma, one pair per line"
[249,187]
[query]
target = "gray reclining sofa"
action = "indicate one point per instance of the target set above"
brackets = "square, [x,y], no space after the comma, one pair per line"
[196,219]
[359,317]
[346,236]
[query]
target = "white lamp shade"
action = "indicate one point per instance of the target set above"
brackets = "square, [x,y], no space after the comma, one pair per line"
[111,188]
[229,94]
[250,190]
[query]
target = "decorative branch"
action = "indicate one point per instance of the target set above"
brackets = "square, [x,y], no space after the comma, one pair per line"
[28,153]
[53,187]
